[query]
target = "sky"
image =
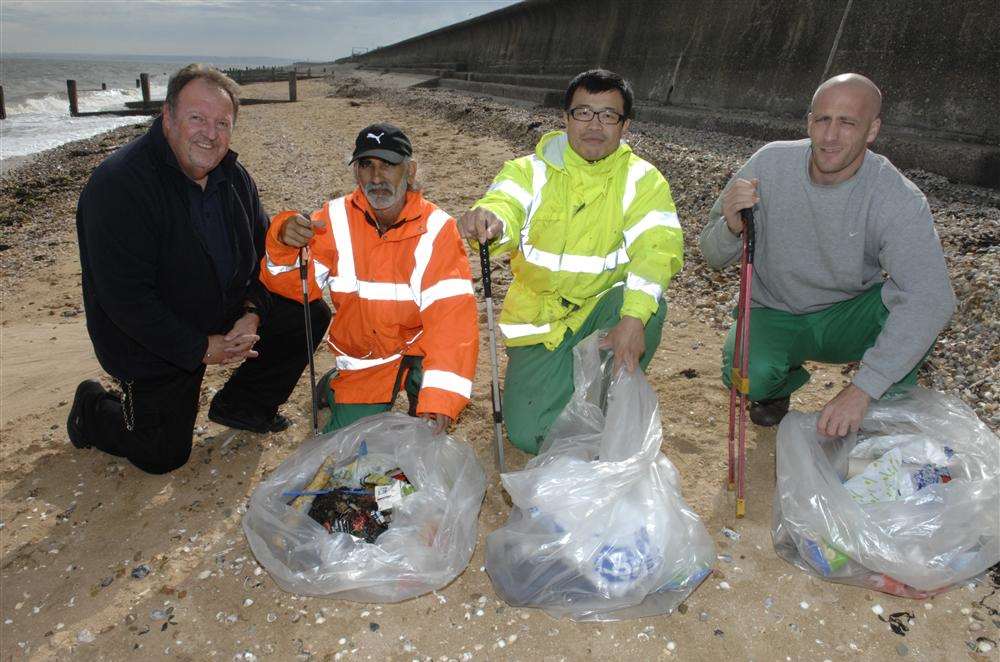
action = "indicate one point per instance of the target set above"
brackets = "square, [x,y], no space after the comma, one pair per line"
[316,30]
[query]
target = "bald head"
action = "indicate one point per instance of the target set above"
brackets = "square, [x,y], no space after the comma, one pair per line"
[853,84]
[843,121]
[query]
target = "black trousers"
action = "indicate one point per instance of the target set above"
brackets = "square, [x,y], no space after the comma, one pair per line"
[161,412]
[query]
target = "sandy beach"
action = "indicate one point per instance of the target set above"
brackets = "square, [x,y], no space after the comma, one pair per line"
[76,524]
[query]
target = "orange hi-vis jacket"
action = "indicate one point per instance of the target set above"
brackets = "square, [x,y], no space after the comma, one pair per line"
[407,292]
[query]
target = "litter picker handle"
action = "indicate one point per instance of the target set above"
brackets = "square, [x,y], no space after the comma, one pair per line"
[484,264]
[484,261]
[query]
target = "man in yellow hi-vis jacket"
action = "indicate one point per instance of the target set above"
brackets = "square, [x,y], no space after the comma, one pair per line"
[595,241]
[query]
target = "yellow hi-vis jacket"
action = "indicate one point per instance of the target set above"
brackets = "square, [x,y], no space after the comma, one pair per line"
[576,230]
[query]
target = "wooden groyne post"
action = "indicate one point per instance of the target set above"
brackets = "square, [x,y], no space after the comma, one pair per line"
[74,109]
[144,80]
[3,108]
[293,91]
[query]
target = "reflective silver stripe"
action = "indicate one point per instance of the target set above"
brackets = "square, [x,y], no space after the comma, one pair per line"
[588,264]
[636,171]
[384,291]
[346,279]
[345,362]
[278,269]
[447,381]
[654,219]
[539,171]
[521,330]
[443,289]
[640,284]
[422,253]
[514,190]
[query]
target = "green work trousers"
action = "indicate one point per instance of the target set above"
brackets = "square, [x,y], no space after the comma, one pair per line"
[539,382]
[342,415]
[781,342]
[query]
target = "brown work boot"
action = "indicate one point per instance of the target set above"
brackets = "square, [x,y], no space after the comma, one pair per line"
[768,413]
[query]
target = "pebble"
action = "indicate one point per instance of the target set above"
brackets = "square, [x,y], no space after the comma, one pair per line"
[768,602]
[671,646]
[804,605]
[902,650]
[724,586]
[877,610]
[985,647]
[248,602]
[703,616]
[928,606]
[158,615]
[204,574]
[374,627]
[271,617]
[85,637]
[140,571]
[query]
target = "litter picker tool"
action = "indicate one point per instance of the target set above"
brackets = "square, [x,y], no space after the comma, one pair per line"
[739,388]
[484,261]
[304,276]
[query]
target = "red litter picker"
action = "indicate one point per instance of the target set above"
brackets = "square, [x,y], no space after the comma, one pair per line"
[739,388]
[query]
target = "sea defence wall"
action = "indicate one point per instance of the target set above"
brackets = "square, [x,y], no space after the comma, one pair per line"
[748,66]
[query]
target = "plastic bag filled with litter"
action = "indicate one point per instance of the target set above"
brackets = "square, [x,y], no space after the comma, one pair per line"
[599,529]
[907,506]
[429,540]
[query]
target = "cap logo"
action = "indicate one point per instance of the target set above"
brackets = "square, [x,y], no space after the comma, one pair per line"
[377,138]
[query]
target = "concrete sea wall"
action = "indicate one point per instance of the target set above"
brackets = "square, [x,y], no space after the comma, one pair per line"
[751,66]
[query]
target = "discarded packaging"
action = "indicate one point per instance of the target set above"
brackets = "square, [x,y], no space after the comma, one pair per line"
[600,530]
[907,506]
[380,511]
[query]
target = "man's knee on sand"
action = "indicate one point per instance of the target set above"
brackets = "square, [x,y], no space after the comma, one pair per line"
[163,450]
[525,431]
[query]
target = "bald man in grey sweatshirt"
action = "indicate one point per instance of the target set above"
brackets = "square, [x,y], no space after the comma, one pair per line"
[831,216]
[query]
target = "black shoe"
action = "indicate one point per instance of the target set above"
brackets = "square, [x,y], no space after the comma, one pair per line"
[244,420]
[768,413]
[88,389]
[323,387]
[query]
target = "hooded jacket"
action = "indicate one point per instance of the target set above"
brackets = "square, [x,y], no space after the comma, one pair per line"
[405,292]
[150,288]
[577,229]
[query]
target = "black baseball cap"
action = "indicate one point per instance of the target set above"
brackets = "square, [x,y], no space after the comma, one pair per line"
[383,141]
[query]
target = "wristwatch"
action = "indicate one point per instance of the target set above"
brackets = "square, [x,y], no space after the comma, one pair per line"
[251,308]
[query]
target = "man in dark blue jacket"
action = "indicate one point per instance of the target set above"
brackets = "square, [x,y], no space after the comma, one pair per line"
[171,234]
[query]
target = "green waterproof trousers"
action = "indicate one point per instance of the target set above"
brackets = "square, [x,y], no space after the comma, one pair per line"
[781,342]
[539,382]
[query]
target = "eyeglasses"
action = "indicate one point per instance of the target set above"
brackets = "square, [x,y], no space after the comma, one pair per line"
[586,113]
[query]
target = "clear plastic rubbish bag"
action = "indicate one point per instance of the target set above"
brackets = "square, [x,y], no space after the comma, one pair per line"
[599,529]
[908,506]
[428,543]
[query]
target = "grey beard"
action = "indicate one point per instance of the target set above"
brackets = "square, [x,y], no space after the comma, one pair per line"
[382,201]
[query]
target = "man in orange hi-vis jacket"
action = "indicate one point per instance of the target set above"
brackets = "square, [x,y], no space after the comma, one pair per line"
[399,278]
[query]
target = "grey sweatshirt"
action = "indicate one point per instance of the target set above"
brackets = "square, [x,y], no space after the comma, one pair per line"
[819,245]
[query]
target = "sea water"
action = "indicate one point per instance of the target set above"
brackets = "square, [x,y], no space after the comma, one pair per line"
[38,109]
